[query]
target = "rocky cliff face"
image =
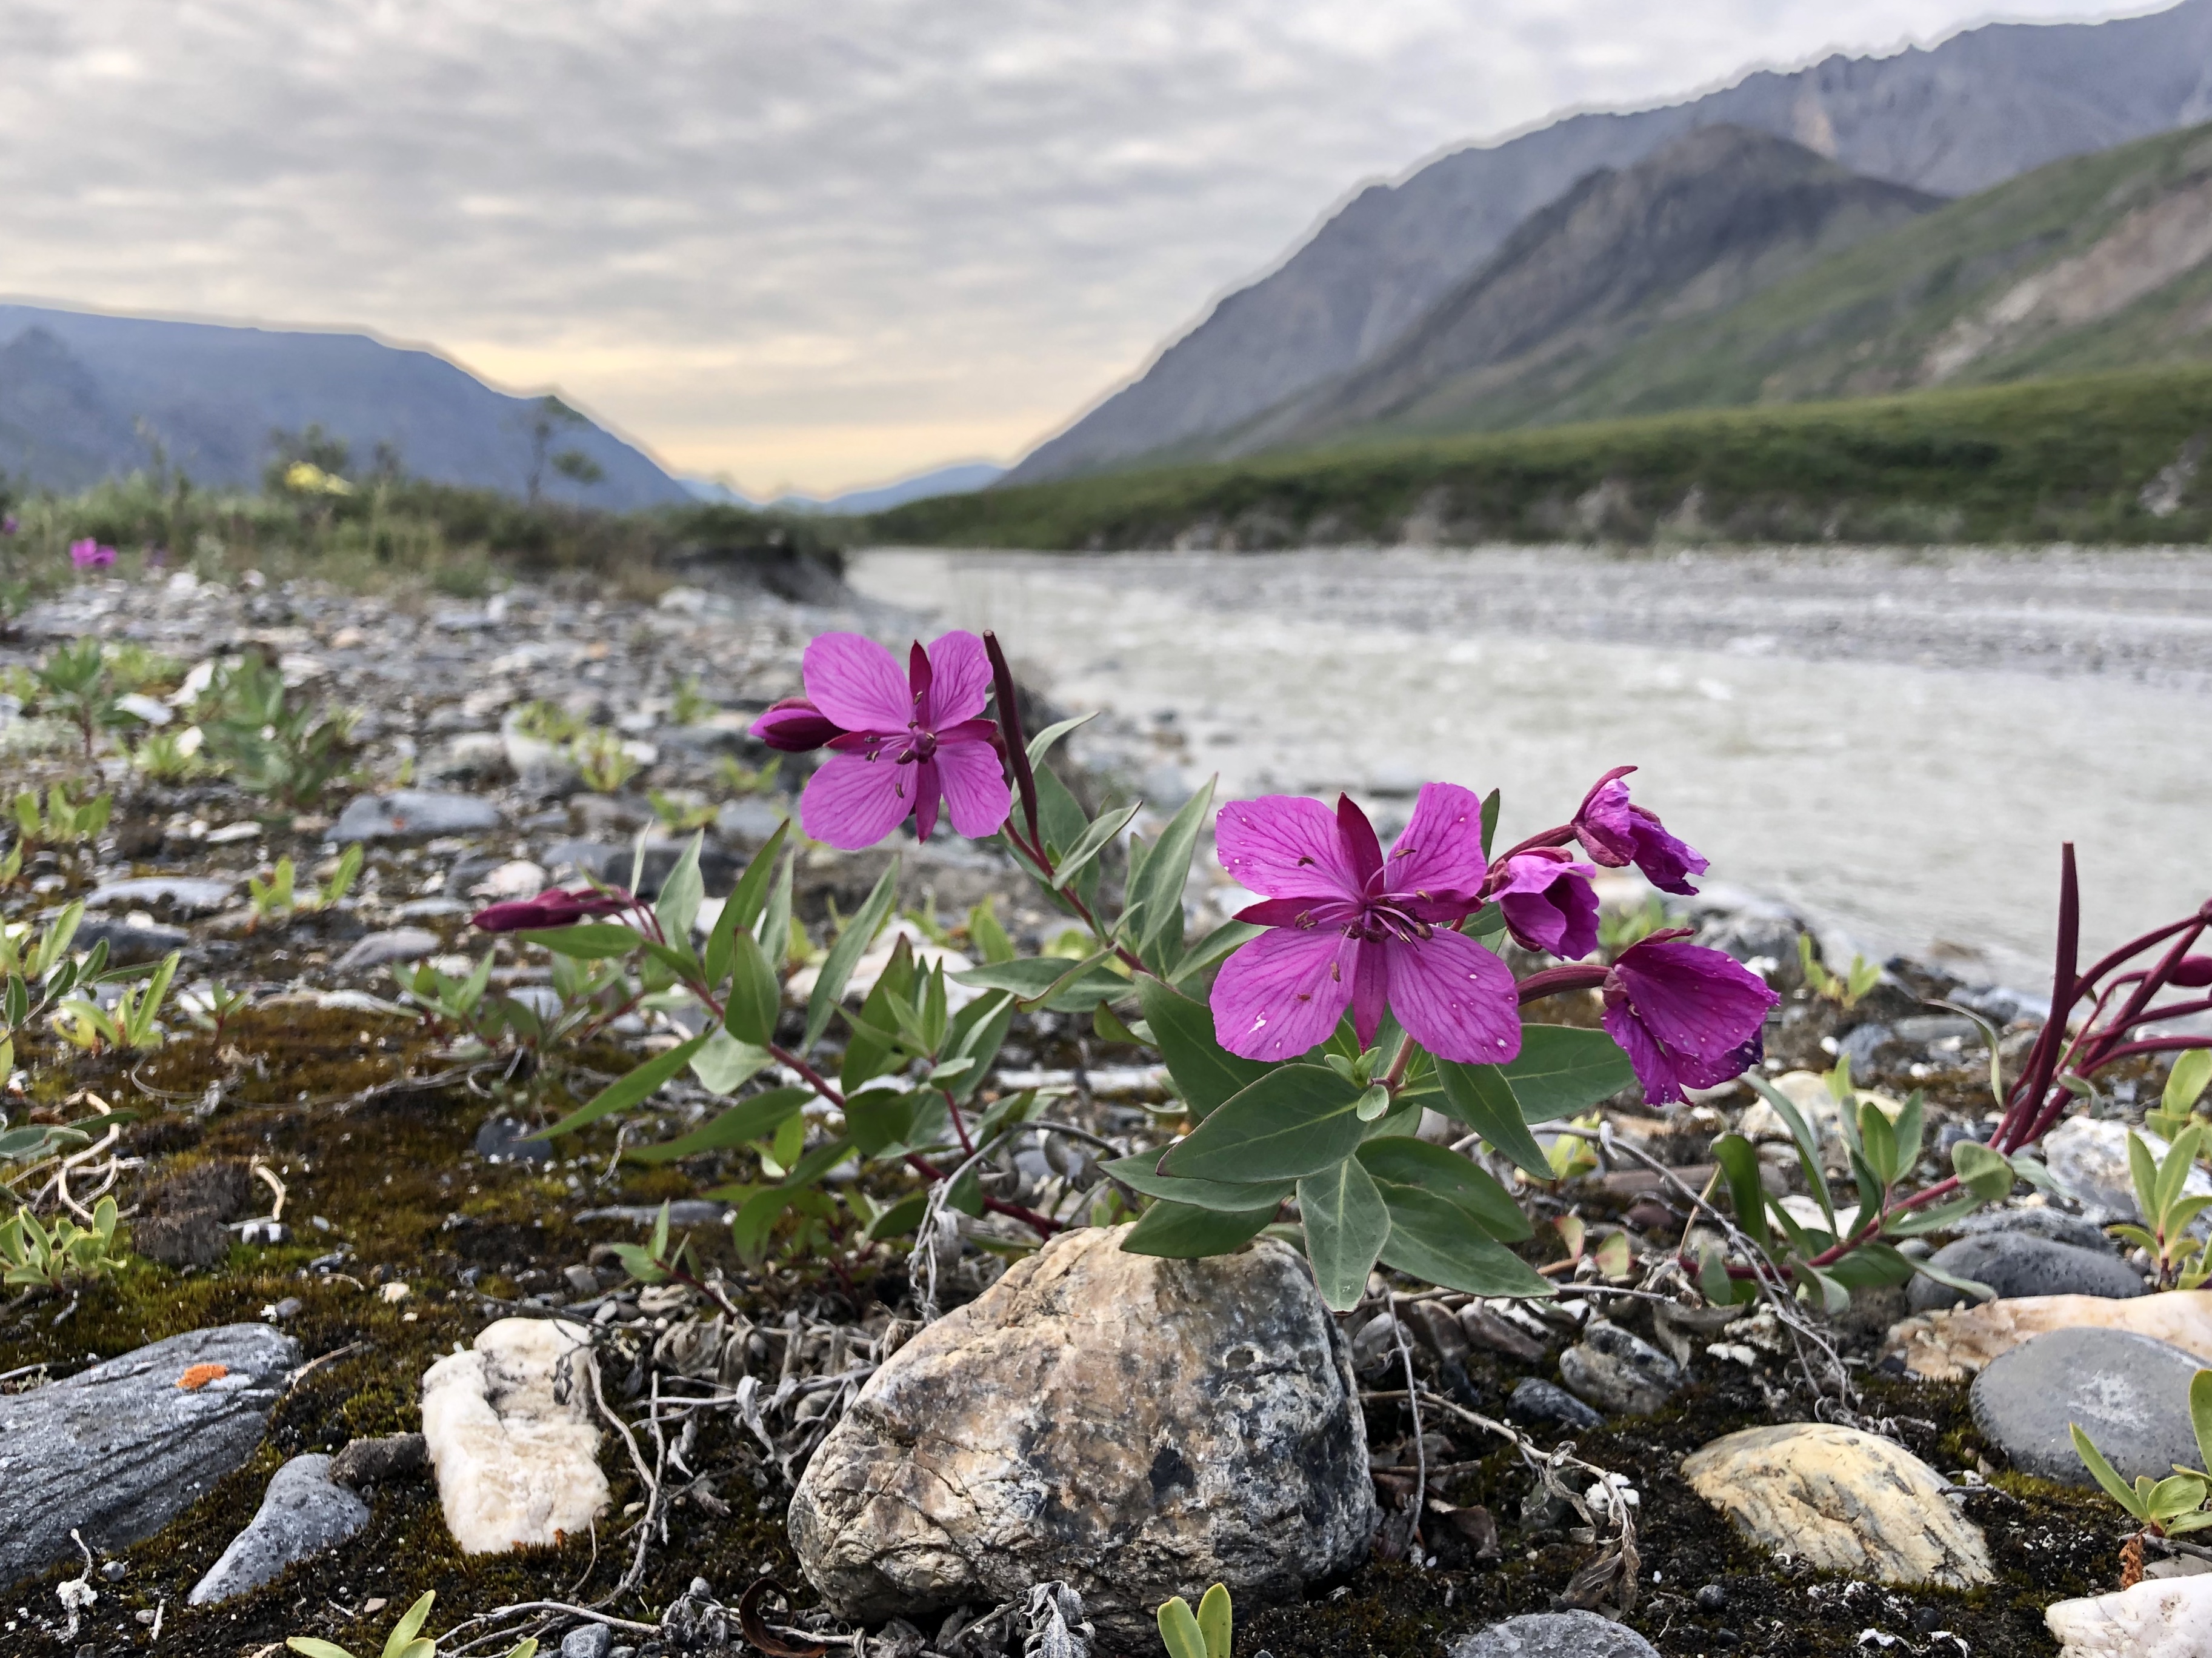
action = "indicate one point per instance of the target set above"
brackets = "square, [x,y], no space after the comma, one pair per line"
[1980,108]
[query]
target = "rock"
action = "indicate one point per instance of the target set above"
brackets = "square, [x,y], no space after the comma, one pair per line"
[1944,1346]
[1841,1501]
[1554,1634]
[1134,1426]
[2128,1393]
[509,1139]
[1808,1090]
[130,942]
[1618,1371]
[2088,1162]
[587,1641]
[1484,1327]
[196,1239]
[751,818]
[1537,1401]
[2039,1220]
[185,895]
[2016,1264]
[121,1449]
[380,1461]
[2160,1618]
[717,869]
[301,1514]
[516,878]
[413,814]
[405,944]
[509,1428]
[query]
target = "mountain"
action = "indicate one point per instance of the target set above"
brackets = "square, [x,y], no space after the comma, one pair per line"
[76,388]
[1983,106]
[1713,217]
[957,479]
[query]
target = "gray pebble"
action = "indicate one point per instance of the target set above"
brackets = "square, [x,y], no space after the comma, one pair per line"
[186,894]
[302,1515]
[2020,1264]
[587,1641]
[506,1139]
[405,944]
[1616,1370]
[2127,1392]
[1534,1400]
[413,814]
[1554,1634]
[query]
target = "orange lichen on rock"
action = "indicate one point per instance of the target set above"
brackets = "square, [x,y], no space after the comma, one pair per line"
[199,1376]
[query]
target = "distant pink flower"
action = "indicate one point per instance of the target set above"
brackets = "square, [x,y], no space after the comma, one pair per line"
[1549,901]
[9,525]
[89,554]
[1686,1016]
[1616,832]
[904,744]
[1348,927]
[548,910]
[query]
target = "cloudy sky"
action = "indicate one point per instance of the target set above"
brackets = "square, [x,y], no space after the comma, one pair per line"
[817,242]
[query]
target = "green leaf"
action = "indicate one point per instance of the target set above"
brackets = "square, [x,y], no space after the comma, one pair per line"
[1835,1296]
[2174,1495]
[879,1118]
[1941,1218]
[755,997]
[588,941]
[1739,1164]
[307,1645]
[1401,1161]
[410,1625]
[742,907]
[901,1218]
[1346,1224]
[1492,803]
[2107,1475]
[748,1119]
[1140,1174]
[1216,947]
[775,919]
[1206,1073]
[1096,839]
[1808,1145]
[1984,1172]
[1436,1240]
[1180,1232]
[1910,1123]
[1872,1266]
[2187,1082]
[1296,1120]
[627,1089]
[724,1064]
[1041,744]
[1562,1070]
[1155,894]
[852,944]
[1214,1621]
[987,935]
[1032,977]
[756,1218]
[2200,1415]
[1179,1631]
[1878,1141]
[1480,1096]
[681,891]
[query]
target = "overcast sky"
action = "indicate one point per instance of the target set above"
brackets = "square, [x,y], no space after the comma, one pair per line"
[818,242]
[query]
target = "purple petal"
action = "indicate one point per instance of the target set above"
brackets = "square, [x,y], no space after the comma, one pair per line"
[1362,850]
[1370,993]
[928,794]
[1603,825]
[1666,862]
[1440,849]
[1654,1069]
[963,679]
[795,726]
[852,802]
[974,783]
[1455,999]
[1281,846]
[1549,902]
[1283,993]
[853,680]
[1698,1003]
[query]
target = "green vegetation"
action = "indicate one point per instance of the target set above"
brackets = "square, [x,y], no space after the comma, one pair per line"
[2046,460]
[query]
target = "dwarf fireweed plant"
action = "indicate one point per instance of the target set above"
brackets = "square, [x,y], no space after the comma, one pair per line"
[2167,1208]
[2173,1506]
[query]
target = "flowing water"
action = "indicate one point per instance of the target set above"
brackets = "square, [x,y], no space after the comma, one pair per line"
[1896,743]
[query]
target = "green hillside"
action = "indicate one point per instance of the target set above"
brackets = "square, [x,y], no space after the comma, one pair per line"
[2100,263]
[2110,458]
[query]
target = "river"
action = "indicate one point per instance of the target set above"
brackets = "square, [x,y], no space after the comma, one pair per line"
[1896,743]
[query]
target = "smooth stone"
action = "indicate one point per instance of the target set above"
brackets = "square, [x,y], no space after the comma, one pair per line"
[2040,1221]
[130,942]
[2016,1264]
[302,1513]
[119,1450]
[413,814]
[1841,1501]
[1944,1346]
[405,944]
[2128,1393]
[587,1641]
[508,1428]
[1133,1426]
[1619,1371]
[1554,1634]
[509,1139]
[2088,1162]
[751,818]
[1536,1400]
[187,894]
[2159,1618]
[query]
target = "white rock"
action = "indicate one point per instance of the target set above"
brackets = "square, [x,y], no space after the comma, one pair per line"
[520,878]
[2159,1618]
[510,1432]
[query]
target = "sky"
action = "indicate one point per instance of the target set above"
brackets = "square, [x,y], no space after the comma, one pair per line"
[789,243]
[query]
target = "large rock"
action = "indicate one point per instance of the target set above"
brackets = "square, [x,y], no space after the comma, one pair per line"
[1841,1501]
[301,1514]
[2159,1618]
[1554,1634]
[413,814]
[510,1430]
[2016,1264]
[2038,1220]
[2088,1162]
[1134,1426]
[2128,1393]
[121,1449]
[1619,1371]
[1947,1346]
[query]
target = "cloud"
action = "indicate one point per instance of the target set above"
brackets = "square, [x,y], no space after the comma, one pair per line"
[816,241]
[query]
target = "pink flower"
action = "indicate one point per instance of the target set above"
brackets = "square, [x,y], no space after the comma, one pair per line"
[1548,902]
[1616,832]
[548,910]
[8,524]
[1686,1016]
[903,744]
[1349,927]
[89,554]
